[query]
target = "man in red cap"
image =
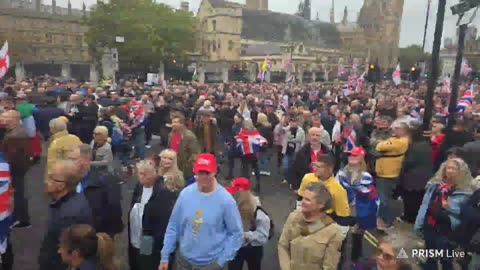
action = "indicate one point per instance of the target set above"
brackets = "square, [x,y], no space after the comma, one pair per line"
[205,222]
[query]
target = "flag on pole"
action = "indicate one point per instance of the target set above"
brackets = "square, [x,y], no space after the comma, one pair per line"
[466,100]
[4,60]
[466,69]
[446,84]
[360,81]
[195,75]
[396,76]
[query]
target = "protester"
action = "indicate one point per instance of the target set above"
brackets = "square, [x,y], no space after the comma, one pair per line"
[82,248]
[362,198]
[208,229]
[16,148]
[184,143]
[416,171]
[151,208]
[102,159]
[310,238]
[173,178]
[101,190]
[256,226]
[59,142]
[439,213]
[66,208]
[387,169]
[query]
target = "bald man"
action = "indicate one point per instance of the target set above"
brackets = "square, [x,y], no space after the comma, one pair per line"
[16,148]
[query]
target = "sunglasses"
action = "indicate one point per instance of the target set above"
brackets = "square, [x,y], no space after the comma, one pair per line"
[384,255]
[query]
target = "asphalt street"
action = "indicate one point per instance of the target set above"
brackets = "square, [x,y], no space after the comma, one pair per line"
[276,198]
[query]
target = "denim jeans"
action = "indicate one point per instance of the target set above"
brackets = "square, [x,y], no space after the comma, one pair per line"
[138,141]
[385,187]
[286,165]
[263,162]
[436,241]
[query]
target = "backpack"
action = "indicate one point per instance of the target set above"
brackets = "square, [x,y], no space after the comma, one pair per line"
[271,232]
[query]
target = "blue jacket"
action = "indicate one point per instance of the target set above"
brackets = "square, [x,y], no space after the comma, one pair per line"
[457,199]
[363,195]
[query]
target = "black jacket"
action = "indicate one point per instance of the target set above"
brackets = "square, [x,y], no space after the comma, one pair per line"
[72,209]
[104,195]
[156,212]
[417,166]
[301,165]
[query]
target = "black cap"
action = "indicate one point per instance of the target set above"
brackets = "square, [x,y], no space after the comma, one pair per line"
[129,95]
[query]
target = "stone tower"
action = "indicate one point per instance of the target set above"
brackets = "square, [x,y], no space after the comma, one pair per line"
[257,4]
[307,10]
[381,21]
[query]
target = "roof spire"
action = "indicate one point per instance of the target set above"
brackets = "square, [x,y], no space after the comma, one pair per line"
[332,12]
[345,15]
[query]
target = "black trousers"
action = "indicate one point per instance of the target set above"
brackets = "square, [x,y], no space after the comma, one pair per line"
[145,262]
[252,255]
[412,199]
[248,161]
[20,202]
[148,130]
[7,257]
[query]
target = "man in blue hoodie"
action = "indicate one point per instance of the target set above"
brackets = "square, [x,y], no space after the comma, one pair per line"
[205,222]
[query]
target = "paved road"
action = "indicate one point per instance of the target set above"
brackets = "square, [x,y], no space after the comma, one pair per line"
[276,199]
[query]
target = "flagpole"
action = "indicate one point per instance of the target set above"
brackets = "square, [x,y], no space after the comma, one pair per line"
[426,24]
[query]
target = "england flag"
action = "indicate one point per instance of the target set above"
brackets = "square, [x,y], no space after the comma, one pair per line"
[4,60]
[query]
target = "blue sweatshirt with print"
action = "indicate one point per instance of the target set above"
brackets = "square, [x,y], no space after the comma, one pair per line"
[207,227]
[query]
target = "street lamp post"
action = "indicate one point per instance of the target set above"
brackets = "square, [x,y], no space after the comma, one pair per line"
[459,9]
[432,82]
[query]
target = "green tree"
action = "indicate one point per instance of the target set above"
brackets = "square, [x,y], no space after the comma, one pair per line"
[153,32]
[412,54]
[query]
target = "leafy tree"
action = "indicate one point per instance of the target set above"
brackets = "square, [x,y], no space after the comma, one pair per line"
[153,32]
[412,54]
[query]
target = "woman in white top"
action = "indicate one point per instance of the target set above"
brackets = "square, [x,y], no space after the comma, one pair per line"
[151,207]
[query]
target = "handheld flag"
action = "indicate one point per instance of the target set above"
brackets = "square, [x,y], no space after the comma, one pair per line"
[396,76]
[4,60]
[465,101]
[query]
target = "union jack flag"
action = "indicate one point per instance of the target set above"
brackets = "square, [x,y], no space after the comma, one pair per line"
[465,101]
[348,134]
[250,141]
[5,207]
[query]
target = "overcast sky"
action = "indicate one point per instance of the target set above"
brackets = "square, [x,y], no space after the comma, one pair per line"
[413,21]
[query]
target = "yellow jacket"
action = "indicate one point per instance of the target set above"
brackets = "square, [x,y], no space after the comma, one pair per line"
[393,151]
[340,205]
[58,144]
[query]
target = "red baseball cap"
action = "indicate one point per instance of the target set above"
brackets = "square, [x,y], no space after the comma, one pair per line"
[357,151]
[238,184]
[205,162]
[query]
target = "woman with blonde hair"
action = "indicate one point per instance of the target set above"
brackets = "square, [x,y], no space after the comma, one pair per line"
[173,178]
[102,150]
[265,129]
[151,207]
[439,214]
[82,248]
[256,226]
[362,198]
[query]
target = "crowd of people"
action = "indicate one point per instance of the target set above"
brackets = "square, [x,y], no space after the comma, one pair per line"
[346,157]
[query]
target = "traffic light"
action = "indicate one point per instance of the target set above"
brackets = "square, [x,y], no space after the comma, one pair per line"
[374,74]
[414,73]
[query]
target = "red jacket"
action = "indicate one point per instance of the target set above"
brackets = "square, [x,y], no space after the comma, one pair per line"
[435,142]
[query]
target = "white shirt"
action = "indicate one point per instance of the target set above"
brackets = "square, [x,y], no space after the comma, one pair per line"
[136,217]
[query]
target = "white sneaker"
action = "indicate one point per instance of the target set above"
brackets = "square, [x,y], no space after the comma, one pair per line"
[148,146]
[267,173]
[253,173]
